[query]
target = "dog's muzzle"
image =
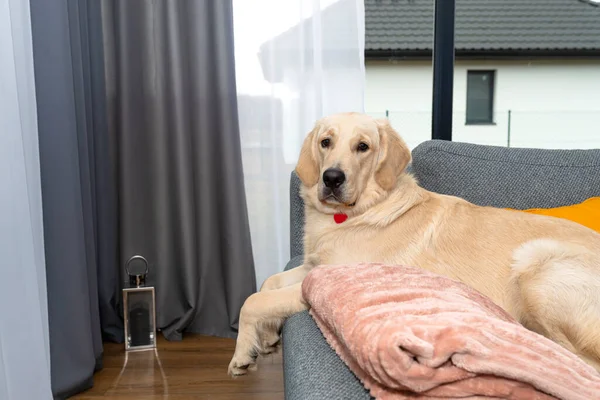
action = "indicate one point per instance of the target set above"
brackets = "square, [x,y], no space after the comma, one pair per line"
[333,186]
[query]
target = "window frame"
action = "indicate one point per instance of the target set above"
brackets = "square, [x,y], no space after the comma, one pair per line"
[491,73]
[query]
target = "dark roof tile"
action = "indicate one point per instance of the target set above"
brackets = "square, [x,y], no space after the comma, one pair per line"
[407,25]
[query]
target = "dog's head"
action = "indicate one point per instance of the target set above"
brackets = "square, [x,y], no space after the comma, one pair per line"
[349,160]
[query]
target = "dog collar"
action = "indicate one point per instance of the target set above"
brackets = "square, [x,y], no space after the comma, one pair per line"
[339,218]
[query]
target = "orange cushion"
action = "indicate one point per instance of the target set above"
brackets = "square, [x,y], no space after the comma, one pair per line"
[586,213]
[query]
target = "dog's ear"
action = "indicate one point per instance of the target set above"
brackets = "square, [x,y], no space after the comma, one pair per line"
[394,156]
[307,167]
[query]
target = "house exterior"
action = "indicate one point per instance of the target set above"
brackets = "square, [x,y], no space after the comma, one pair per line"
[527,72]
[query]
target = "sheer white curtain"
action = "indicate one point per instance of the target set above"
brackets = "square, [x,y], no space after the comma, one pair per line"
[24,343]
[296,61]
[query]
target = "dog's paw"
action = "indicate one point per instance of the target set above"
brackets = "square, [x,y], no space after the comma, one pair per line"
[241,365]
[270,345]
[270,350]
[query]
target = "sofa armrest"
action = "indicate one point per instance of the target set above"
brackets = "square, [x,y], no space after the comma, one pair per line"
[311,368]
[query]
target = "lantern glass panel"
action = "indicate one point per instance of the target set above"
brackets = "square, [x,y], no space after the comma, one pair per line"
[139,318]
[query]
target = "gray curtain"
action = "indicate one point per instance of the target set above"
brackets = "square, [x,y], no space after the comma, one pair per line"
[174,134]
[78,199]
[139,154]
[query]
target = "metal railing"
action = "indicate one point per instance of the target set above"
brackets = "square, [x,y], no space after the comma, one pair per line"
[513,128]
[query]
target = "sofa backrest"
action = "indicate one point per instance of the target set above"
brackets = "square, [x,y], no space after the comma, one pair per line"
[507,177]
[296,217]
[488,175]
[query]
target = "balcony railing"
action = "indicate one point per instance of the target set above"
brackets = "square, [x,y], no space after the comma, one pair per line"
[542,129]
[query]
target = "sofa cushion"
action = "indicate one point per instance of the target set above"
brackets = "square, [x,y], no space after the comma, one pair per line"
[507,177]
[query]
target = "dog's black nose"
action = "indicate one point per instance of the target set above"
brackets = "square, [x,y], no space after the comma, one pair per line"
[333,178]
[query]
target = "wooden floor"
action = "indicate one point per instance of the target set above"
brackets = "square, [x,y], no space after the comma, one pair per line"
[194,368]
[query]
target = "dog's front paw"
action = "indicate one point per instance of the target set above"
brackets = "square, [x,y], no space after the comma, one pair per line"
[240,365]
[270,343]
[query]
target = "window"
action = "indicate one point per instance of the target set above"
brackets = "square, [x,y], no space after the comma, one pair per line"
[480,97]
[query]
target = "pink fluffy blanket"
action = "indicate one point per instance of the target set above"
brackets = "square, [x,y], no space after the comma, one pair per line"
[407,333]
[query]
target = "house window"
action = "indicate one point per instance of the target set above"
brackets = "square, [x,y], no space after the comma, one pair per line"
[480,97]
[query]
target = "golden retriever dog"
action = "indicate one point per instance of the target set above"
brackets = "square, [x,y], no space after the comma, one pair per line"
[544,271]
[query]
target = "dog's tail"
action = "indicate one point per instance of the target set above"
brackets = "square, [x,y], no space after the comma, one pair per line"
[557,294]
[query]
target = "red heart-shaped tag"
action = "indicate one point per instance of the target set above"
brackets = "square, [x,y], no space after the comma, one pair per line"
[339,218]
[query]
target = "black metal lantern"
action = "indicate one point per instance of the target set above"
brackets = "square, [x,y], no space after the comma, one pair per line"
[139,310]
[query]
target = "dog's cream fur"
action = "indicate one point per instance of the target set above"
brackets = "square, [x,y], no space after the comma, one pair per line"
[544,271]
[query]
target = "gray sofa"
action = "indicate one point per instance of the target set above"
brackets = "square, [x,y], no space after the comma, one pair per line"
[485,175]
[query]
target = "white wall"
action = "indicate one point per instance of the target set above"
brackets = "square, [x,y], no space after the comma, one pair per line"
[554,104]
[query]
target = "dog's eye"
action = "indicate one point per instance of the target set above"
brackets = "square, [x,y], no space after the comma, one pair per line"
[325,143]
[362,147]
